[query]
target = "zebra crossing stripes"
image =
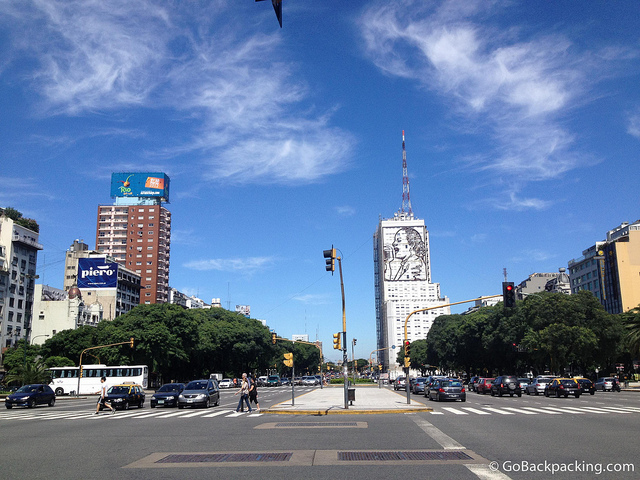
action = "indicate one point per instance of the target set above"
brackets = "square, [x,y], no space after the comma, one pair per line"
[548,410]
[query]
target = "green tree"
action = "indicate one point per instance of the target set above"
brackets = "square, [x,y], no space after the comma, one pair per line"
[32,372]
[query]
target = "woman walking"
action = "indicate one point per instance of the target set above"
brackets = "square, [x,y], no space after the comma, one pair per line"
[244,393]
[253,393]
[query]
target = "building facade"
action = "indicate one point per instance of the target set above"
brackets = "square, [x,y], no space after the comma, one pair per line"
[116,299]
[402,278]
[138,236]
[544,282]
[18,255]
[610,269]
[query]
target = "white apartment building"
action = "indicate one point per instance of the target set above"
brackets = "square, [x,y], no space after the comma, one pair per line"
[402,278]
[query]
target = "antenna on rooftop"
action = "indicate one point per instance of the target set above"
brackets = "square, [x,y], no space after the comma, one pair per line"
[406,199]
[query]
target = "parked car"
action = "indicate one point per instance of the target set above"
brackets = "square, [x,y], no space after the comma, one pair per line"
[563,387]
[227,383]
[506,384]
[537,385]
[418,385]
[273,381]
[400,383]
[524,381]
[607,384]
[483,385]
[473,381]
[200,393]
[167,395]
[447,389]
[285,381]
[124,396]
[30,396]
[309,381]
[586,385]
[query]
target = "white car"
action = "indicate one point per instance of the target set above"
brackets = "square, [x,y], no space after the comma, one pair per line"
[225,383]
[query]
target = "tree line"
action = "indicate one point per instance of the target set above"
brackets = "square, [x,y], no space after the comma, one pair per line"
[545,333]
[176,343]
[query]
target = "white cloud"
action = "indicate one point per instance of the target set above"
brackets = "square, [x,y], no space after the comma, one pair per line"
[513,91]
[633,127]
[245,105]
[247,266]
[346,211]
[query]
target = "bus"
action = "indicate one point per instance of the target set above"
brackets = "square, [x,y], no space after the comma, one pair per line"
[64,380]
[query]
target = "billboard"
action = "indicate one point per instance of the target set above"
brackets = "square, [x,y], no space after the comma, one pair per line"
[97,273]
[244,310]
[405,254]
[140,184]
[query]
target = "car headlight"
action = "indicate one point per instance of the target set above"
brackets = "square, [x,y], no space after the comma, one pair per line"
[181,396]
[200,396]
[117,400]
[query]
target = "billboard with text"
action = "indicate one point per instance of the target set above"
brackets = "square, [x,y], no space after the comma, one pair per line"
[140,184]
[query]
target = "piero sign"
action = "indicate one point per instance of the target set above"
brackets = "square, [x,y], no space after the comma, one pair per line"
[97,273]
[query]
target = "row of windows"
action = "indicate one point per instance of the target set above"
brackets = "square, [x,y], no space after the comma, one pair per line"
[97,372]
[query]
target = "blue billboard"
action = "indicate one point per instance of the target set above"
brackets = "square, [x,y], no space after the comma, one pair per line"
[97,273]
[140,184]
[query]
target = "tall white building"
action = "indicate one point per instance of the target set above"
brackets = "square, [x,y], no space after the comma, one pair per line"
[402,277]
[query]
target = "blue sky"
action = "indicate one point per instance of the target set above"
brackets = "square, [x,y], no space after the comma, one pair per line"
[522,124]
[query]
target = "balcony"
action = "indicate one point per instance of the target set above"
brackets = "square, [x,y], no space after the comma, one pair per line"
[27,240]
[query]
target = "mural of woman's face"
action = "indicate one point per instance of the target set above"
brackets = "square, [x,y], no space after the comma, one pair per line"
[400,244]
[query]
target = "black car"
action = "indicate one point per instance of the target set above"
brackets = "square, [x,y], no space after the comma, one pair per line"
[506,384]
[124,396]
[201,393]
[167,395]
[586,385]
[473,381]
[30,396]
[563,387]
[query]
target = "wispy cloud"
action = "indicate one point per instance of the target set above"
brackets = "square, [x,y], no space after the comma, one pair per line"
[247,266]
[633,126]
[311,299]
[92,57]
[515,91]
[346,211]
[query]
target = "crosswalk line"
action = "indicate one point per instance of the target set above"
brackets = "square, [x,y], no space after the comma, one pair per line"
[454,410]
[541,410]
[215,414]
[476,411]
[501,412]
[565,410]
[520,410]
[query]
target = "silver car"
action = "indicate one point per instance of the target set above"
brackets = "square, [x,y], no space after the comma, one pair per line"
[537,385]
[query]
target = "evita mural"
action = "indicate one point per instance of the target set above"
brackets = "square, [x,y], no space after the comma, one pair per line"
[405,256]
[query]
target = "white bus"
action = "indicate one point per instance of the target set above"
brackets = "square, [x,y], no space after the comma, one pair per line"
[65,379]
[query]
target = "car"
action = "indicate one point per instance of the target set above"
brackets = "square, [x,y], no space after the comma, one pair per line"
[607,384]
[273,381]
[537,385]
[418,385]
[225,383]
[473,381]
[297,380]
[586,385]
[31,396]
[285,381]
[400,383]
[506,384]
[429,381]
[125,395]
[262,381]
[447,389]
[201,393]
[483,385]
[563,387]
[167,395]
[524,381]
[309,381]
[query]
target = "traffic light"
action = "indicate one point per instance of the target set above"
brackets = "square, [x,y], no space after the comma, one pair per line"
[274,337]
[407,348]
[354,341]
[407,362]
[380,367]
[330,256]
[336,341]
[288,359]
[508,295]
[131,342]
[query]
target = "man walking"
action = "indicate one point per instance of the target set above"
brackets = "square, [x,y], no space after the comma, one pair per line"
[244,393]
[103,393]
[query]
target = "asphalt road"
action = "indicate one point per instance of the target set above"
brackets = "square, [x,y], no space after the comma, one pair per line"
[455,441]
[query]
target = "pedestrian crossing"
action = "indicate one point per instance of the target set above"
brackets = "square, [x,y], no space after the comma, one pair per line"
[143,414]
[546,410]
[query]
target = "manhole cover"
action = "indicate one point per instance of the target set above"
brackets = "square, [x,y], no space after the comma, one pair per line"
[315,424]
[226,457]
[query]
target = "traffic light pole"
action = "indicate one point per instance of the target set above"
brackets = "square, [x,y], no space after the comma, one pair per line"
[406,337]
[344,339]
[130,342]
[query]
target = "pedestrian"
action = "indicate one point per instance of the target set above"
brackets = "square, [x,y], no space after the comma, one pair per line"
[103,393]
[244,393]
[253,393]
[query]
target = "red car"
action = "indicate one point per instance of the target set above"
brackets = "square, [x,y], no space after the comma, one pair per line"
[484,385]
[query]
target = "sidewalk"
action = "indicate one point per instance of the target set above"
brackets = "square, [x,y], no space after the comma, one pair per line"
[330,401]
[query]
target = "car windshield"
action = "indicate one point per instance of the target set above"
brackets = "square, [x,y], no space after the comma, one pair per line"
[196,386]
[568,382]
[118,390]
[169,388]
[273,377]
[28,389]
[450,383]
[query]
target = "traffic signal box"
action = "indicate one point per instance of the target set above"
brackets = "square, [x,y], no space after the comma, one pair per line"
[288,359]
[336,341]
[274,337]
[407,353]
[508,295]
[330,256]
[131,342]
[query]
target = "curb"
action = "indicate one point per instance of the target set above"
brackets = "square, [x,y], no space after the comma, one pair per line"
[346,412]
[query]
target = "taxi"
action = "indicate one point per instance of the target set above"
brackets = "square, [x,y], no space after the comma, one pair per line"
[563,387]
[125,395]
